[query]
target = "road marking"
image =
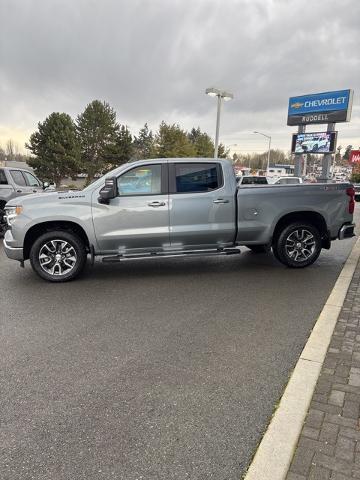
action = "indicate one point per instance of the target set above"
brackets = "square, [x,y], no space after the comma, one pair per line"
[275,452]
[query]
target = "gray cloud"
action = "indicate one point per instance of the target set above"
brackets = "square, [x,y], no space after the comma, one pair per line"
[152,60]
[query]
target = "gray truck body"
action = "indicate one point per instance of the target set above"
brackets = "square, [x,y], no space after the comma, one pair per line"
[226,216]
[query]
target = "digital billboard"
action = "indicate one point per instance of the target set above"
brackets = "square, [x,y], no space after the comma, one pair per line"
[354,157]
[314,142]
[326,107]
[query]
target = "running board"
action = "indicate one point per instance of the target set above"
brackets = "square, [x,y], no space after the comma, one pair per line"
[182,253]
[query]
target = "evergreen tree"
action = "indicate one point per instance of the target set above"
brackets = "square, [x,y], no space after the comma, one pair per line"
[124,146]
[144,143]
[55,147]
[203,144]
[98,134]
[172,141]
[347,152]
[223,152]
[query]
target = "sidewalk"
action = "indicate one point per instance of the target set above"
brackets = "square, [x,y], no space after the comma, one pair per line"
[329,444]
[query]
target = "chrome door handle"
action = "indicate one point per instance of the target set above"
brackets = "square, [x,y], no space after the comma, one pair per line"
[18,191]
[220,200]
[156,204]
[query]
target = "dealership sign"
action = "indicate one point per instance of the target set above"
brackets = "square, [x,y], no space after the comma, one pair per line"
[354,157]
[328,107]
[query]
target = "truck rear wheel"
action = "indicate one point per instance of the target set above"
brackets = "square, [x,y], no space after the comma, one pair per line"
[298,245]
[58,256]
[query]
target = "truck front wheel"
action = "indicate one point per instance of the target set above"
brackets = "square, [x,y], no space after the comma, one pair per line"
[58,256]
[298,245]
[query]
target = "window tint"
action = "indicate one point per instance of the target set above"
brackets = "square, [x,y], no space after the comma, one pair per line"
[196,177]
[254,181]
[31,180]
[3,180]
[144,180]
[18,177]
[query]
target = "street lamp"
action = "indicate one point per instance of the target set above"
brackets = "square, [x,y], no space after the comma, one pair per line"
[268,156]
[221,95]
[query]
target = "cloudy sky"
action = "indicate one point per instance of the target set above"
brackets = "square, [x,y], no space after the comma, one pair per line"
[153,59]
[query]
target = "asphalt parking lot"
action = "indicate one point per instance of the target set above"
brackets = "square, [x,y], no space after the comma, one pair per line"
[151,370]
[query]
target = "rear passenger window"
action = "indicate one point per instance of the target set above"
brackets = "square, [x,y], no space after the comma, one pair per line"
[3,180]
[202,177]
[18,177]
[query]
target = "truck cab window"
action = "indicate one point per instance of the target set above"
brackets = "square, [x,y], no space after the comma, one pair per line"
[191,178]
[18,177]
[145,180]
[3,180]
[31,180]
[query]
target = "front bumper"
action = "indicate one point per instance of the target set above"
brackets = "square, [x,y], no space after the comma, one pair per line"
[15,253]
[346,231]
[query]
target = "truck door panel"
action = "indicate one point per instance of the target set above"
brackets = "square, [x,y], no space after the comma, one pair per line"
[138,218]
[202,210]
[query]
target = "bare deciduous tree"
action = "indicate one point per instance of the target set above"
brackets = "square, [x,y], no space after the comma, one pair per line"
[11,149]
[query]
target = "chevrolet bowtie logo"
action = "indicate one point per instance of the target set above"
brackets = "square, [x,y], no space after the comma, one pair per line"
[296,105]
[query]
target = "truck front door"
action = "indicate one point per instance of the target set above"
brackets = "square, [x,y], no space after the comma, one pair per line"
[202,206]
[138,218]
[32,182]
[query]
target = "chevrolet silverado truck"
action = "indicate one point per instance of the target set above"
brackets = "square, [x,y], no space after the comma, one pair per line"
[175,207]
[15,182]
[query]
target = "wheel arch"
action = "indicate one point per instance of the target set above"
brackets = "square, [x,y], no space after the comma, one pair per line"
[35,231]
[314,218]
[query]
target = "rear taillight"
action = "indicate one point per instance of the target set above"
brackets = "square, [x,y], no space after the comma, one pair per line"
[351,193]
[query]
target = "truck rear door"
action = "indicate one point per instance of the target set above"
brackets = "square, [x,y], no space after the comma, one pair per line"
[201,206]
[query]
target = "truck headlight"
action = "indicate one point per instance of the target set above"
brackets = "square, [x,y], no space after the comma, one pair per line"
[11,213]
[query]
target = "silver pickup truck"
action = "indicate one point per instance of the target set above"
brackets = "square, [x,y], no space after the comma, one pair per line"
[171,207]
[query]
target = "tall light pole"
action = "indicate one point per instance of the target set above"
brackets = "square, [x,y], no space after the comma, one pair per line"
[221,95]
[268,155]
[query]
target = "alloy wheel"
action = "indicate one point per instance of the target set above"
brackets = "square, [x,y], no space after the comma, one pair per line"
[57,257]
[300,245]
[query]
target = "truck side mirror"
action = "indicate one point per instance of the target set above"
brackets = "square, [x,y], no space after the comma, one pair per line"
[108,191]
[46,185]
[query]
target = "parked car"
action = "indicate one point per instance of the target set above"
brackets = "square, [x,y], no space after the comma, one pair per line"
[288,180]
[252,180]
[15,182]
[185,207]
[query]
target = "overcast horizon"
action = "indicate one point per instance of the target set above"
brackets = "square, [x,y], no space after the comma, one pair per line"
[153,60]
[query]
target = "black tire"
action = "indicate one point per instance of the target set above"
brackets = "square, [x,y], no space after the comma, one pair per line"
[258,248]
[298,245]
[275,253]
[75,253]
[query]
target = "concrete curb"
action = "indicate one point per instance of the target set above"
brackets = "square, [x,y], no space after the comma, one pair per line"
[274,454]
